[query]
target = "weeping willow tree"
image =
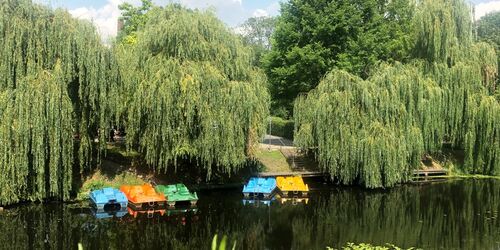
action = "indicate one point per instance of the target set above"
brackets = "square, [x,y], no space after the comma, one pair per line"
[54,78]
[375,131]
[190,92]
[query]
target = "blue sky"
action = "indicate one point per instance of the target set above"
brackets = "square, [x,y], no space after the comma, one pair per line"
[104,13]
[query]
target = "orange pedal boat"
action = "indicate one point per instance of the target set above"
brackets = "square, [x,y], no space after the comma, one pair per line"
[143,196]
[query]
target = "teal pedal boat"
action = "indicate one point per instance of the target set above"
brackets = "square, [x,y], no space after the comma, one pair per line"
[177,193]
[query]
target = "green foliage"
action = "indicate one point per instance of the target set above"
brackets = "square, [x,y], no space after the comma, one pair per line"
[444,28]
[190,91]
[54,78]
[362,132]
[100,180]
[281,127]
[311,37]
[133,19]
[374,131]
[488,30]
[256,32]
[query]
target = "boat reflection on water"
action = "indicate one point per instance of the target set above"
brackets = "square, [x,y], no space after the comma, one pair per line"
[181,211]
[149,213]
[177,215]
[257,202]
[174,214]
[293,200]
[108,213]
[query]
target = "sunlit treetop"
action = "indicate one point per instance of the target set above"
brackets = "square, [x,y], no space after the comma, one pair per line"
[192,91]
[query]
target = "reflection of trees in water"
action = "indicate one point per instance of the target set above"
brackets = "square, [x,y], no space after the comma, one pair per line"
[462,214]
[450,215]
[34,228]
[60,227]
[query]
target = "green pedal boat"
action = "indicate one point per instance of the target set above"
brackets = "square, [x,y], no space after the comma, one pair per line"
[177,193]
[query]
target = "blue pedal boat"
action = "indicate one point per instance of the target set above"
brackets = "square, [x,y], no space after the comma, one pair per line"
[257,186]
[109,198]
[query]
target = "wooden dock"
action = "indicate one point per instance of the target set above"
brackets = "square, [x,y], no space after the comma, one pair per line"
[423,173]
[293,173]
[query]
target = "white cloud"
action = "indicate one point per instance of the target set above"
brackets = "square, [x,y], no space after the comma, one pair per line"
[104,18]
[273,9]
[208,3]
[230,11]
[260,13]
[482,9]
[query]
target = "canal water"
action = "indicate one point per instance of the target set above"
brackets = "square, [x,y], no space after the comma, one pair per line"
[460,214]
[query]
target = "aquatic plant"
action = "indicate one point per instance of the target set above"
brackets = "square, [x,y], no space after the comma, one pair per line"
[222,244]
[366,246]
[375,131]
[190,91]
[54,79]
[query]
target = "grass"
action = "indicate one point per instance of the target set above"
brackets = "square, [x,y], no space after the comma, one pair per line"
[99,180]
[121,150]
[454,167]
[273,161]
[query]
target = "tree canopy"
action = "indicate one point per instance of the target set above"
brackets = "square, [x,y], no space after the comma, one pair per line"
[185,88]
[133,19]
[54,79]
[375,131]
[257,32]
[311,37]
[191,91]
[488,30]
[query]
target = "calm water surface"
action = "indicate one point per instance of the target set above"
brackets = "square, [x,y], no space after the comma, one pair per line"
[451,215]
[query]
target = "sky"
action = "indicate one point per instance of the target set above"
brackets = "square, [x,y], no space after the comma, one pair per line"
[104,13]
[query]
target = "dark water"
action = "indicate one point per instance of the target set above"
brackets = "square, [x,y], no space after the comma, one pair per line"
[450,215]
